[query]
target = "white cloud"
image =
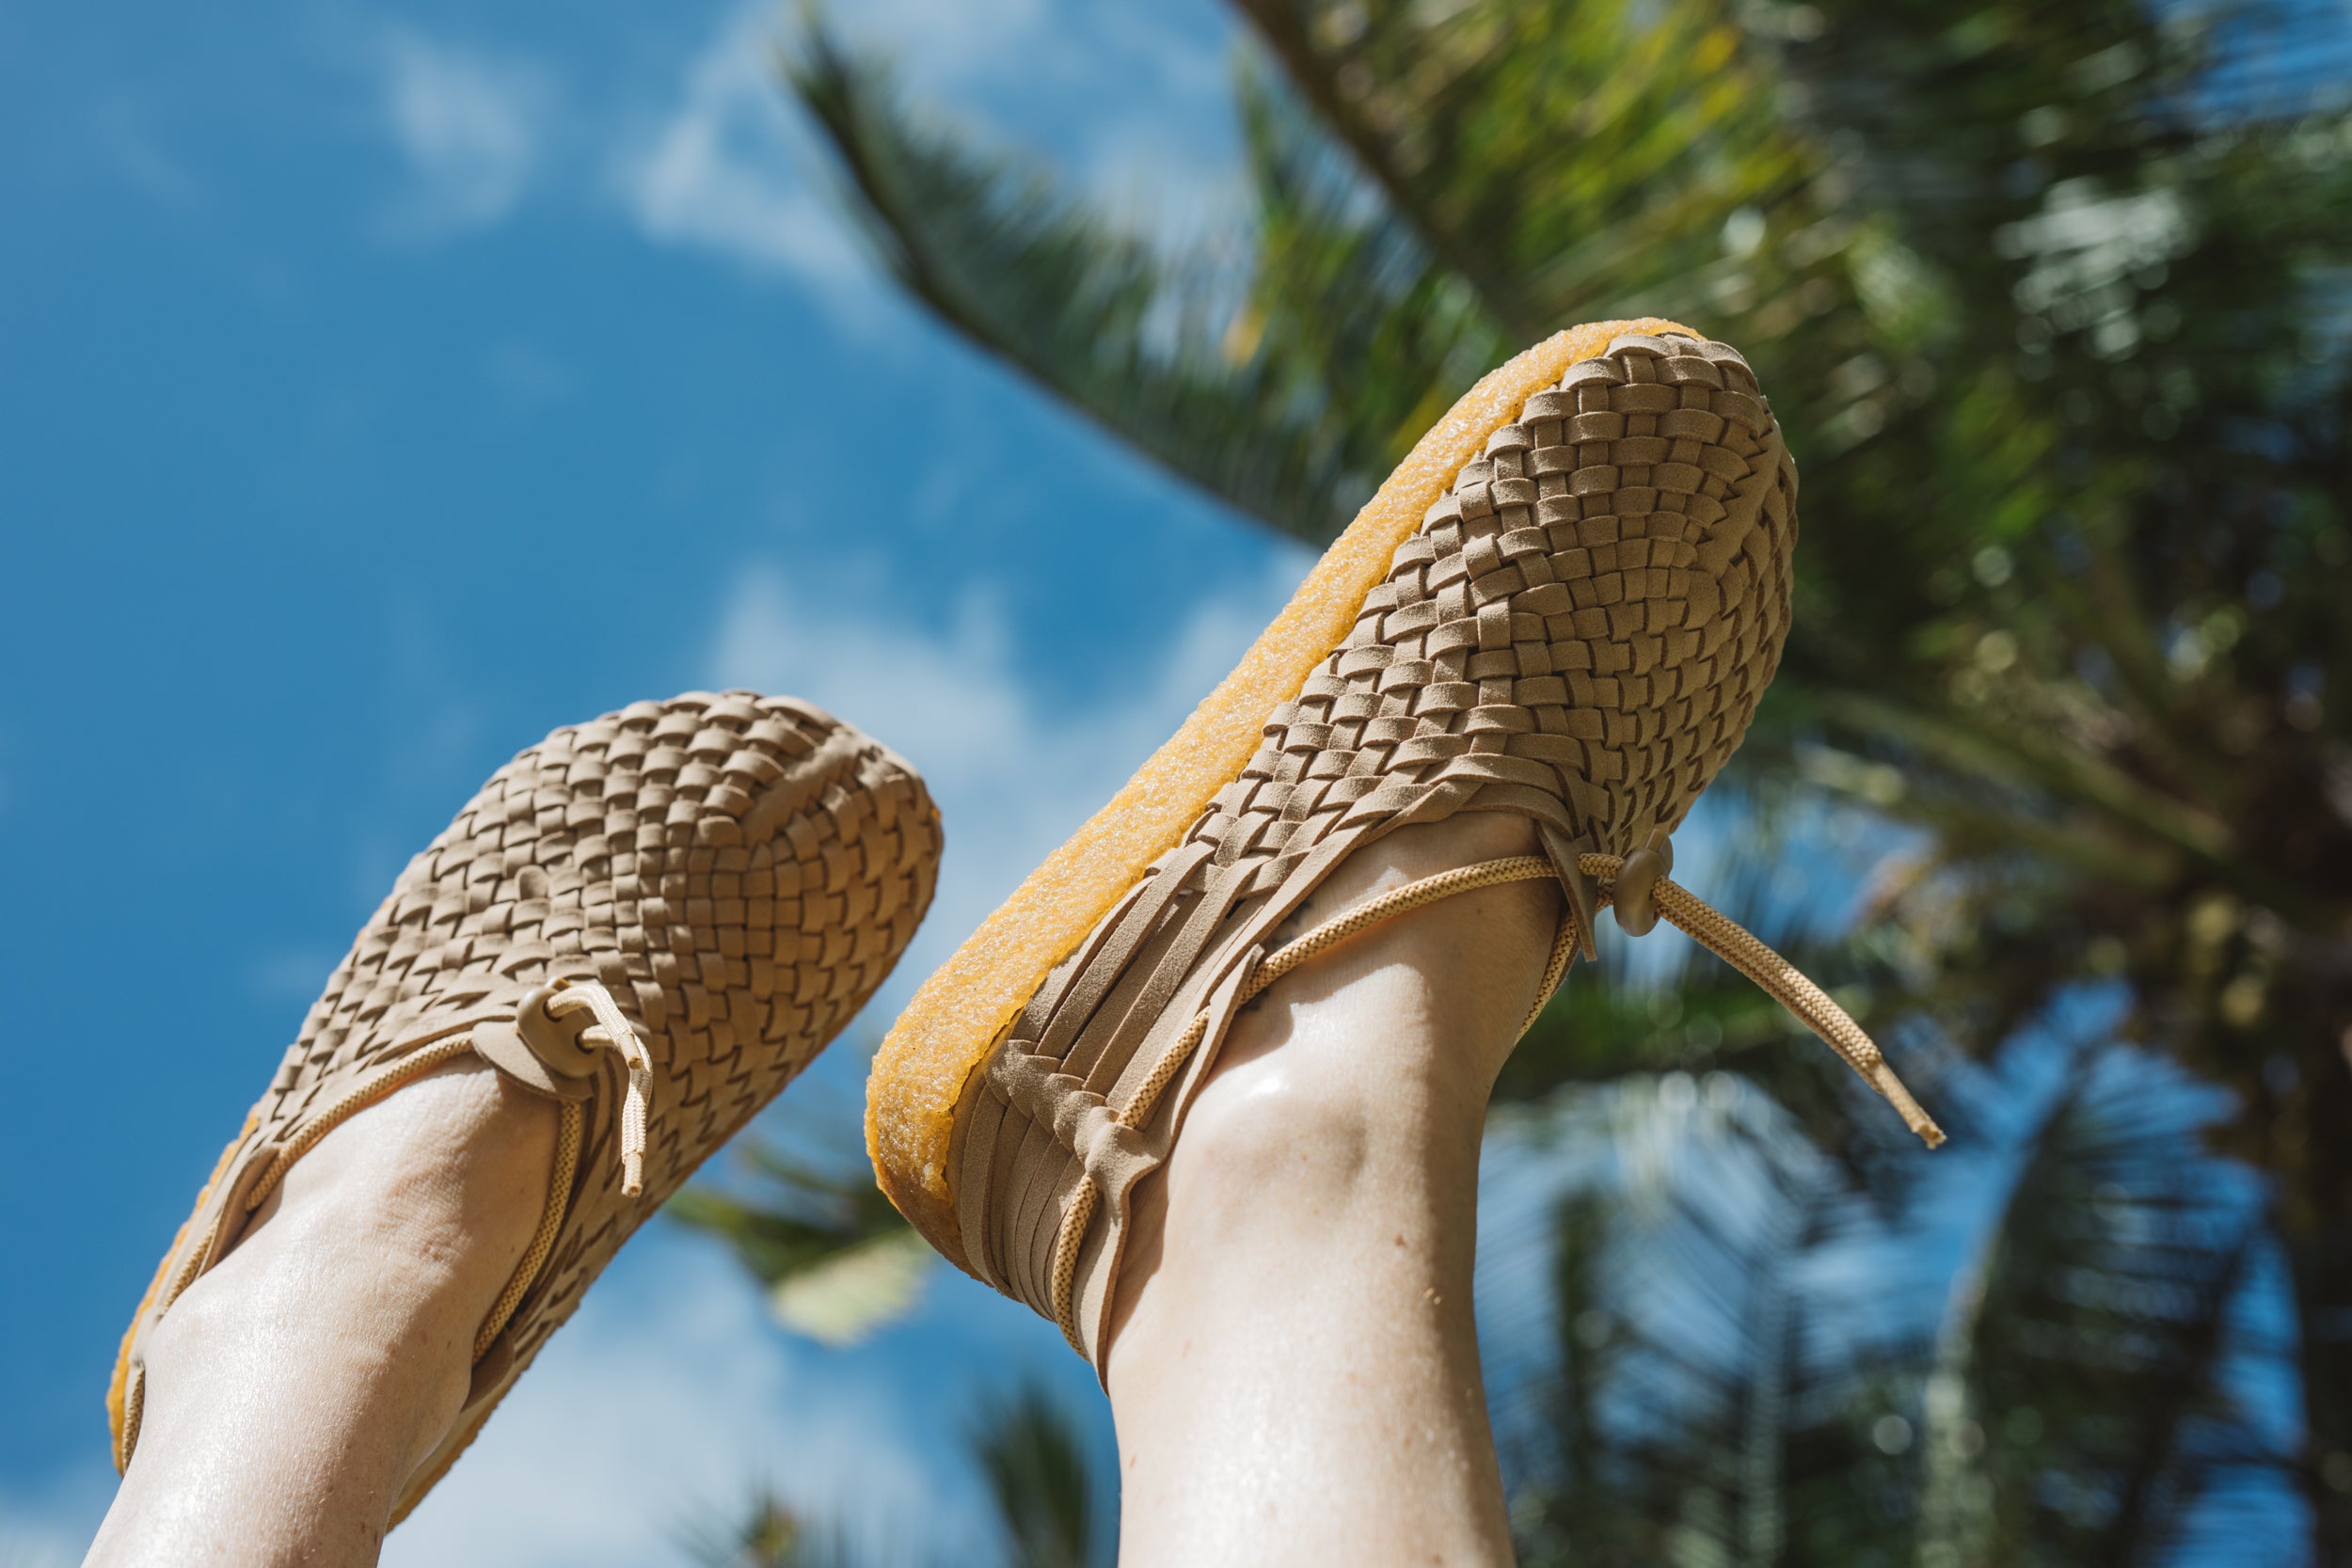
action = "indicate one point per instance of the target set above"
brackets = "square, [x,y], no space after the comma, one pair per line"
[1012,775]
[1139,111]
[723,172]
[671,1397]
[666,1405]
[473,126]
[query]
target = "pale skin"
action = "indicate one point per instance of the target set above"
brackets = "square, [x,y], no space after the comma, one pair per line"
[1293,1370]
[293,1390]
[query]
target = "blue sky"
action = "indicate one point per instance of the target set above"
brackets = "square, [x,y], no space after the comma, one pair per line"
[385,385]
[388,384]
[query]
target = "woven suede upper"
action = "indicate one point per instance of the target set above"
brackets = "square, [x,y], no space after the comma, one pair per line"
[739,871]
[1579,633]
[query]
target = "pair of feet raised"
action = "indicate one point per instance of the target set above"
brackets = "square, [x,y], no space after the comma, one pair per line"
[1304,938]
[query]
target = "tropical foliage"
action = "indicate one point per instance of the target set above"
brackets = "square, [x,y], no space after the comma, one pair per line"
[1042,1484]
[2052,301]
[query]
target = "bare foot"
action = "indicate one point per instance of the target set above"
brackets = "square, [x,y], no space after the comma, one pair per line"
[334,1347]
[1326,1180]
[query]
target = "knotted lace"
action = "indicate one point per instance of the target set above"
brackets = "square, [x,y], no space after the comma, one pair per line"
[611,1031]
[1710,927]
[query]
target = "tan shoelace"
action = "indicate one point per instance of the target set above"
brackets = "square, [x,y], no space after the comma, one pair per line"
[611,1031]
[1646,891]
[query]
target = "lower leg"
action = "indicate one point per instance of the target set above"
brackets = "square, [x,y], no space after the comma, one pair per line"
[293,1390]
[1295,1366]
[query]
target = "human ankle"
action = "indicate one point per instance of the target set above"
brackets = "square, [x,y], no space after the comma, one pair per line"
[1318,1164]
[1355,1089]
[367,1341]
[1413,1010]
[366,1276]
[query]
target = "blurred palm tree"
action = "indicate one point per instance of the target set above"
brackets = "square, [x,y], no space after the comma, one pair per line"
[1045,1486]
[1739,1356]
[1042,1486]
[2052,299]
[2051,303]
[1780,1377]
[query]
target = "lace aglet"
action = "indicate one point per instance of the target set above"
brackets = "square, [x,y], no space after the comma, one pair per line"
[633,1134]
[1882,1078]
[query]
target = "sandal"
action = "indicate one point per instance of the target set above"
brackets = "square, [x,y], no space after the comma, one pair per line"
[657,919]
[1565,603]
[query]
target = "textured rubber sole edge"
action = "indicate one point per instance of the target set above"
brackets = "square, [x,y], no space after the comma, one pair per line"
[945,1035]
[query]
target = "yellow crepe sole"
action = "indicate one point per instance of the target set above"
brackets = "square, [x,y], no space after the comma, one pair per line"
[945,1035]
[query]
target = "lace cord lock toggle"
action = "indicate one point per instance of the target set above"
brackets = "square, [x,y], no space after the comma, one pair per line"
[1636,880]
[556,1043]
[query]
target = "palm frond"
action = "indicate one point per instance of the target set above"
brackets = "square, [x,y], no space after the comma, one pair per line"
[1173,355]
[838,1259]
[1747,1363]
[769,1533]
[1046,1491]
[1570,160]
[2077,1410]
[1702,1404]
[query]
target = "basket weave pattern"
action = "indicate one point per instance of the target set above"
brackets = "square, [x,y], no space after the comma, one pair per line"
[739,871]
[1578,633]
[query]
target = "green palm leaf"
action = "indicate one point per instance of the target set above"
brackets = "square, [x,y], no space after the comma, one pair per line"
[1746,1366]
[1174,356]
[2077,1409]
[2053,304]
[1708,1399]
[1045,1488]
[838,1259]
[768,1533]
[1568,159]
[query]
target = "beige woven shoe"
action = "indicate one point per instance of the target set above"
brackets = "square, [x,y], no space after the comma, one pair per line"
[657,919]
[1564,603]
